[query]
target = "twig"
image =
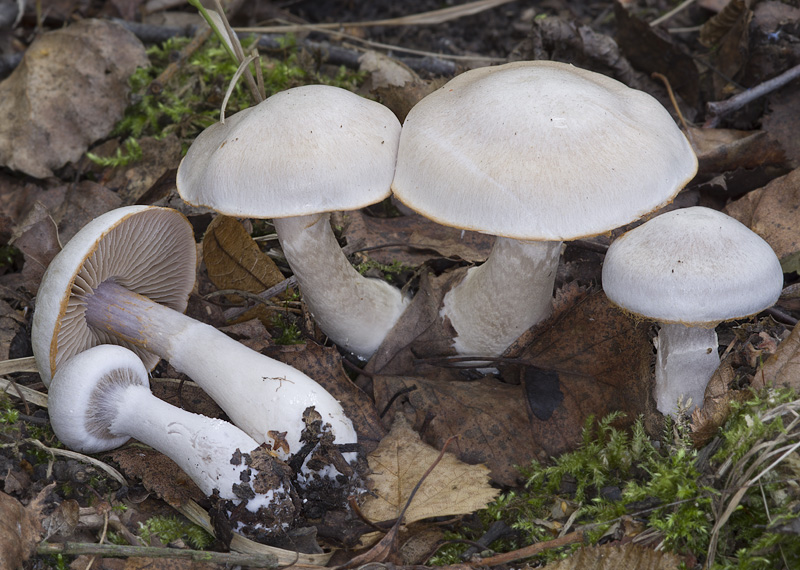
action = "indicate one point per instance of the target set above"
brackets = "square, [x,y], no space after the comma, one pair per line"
[718,109]
[680,7]
[529,551]
[263,297]
[231,559]
[27,364]
[157,85]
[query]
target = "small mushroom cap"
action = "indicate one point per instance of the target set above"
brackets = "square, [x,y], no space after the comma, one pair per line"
[146,249]
[81,397]
[302,151]
[539,150]
[695,266]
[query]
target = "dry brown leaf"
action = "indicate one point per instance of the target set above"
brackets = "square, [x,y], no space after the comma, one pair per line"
[489,417]
[773,212]
[398,464]
[783,367]
[234,261]
[158,473]
[414,239]
[722,150]
[618,557]
[38,242]
[69,91]
[20,531]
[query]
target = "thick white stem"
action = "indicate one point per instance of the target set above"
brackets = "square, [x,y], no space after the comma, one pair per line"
[502,298]
[356,312]
[258,393]
[201,446]
[686,359]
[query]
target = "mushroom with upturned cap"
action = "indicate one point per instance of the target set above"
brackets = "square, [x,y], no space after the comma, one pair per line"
[534,152]
[690,270]
[107,286]
[100,398]
[295,157]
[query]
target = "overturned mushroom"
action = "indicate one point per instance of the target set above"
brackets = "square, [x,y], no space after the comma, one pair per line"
[690,270]
[534,152]
[107,286]
[297,156]
[100,398]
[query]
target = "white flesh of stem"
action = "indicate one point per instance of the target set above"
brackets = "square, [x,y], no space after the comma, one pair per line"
[258,393]
[502,298]
[201,446]
[356,312]
[686,359]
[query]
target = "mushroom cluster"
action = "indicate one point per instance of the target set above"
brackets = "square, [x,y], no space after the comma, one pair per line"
[124,279]
[690,270]
[534,152]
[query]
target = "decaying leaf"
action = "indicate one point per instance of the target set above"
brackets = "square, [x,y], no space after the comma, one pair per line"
[158,473]
[721,150]
[398,464]
[489,417]
[234,261]
[394,84]
[20,531]
[616,556]
[783,367]
[773,212]
[782,121]
[69,91]
[413,239]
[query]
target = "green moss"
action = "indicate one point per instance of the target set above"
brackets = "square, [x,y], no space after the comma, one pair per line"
[170,529]
[665,485]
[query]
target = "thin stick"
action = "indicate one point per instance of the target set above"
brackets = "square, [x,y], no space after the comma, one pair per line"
[682,6]
[529,551]
[718,109]
[230,559]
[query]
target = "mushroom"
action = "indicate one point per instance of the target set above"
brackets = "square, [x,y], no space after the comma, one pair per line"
[124,279]
[690,270]
[296,157]
[100,398]
[534,152]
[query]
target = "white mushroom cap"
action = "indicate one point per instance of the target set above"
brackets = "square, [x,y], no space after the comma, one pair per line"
[302,151]
[539,150]
[694,266]
[146,249]
[82,407]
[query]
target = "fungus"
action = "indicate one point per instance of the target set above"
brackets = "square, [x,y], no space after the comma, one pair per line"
[295,157]
[534,152]
[690,270]
[100,398]
[124,279]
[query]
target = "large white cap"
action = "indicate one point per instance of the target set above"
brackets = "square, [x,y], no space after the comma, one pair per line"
[302,151]
[539,150]
[82,399]
[145,249]
[694,266]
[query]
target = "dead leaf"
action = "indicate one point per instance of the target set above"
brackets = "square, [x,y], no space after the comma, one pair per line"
[39,243]
[414,239]
[82,203]
[69,91]
[617,556]
[773,212]
[717,26]
[782,121]
[721,150]
[234,261]
[783,367]
[20,531]
[398,464]
[11,325]
[651,49]
[158,473]
[489,417]
[158,157]
[394,84]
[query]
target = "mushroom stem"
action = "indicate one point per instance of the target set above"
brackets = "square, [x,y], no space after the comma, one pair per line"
[201,446]
[502,298]
[258,393]
[356,312]
[101,397]
[686,359]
